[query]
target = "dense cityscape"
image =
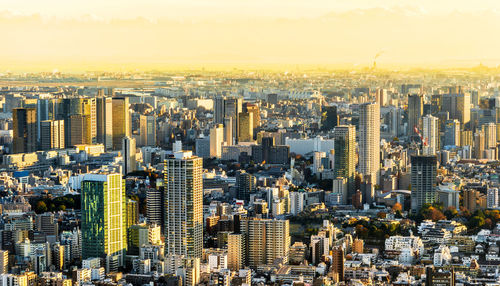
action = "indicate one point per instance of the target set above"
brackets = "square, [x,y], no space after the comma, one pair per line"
[301,177]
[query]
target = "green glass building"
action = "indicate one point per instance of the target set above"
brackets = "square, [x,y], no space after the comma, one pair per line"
[345,155]
[104,218]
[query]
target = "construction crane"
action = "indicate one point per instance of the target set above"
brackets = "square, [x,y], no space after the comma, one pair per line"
[422,139]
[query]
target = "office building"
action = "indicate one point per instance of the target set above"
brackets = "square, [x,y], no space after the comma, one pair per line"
[52,134]
[452,133]
[345,155]
[154,206]
[129,156]
[423,181]
[369,141]
[228,131]
[415,112]
[245,127]
[25,134]
[121,121]
[458,106]
[147,130]
[104,218]
[216,139]
[183,205]
[104,114]
[255,111]
[245,184]
[430,133]
[490,135]
[329,117]
[79,130]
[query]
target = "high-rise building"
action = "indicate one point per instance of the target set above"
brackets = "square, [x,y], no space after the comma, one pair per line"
[430,132]
[479,144]
[245,184]
[235,251]
[415,111]
[345,155]
[358,246]
[24,125]
[216,139]
[46,109]
[183,205]
[245,127]
[132,208]
[104,114]
[121,121]
[79,130]
[103,218]
[423,181]
[52,134]
[338,262]
[490,135]
[255,111]
[266,240]
[219,110]
[329,117]
[89,109]
[458,106]
[147,130]
[369,141]
[228,131]
[129,156]
[154,206]
[452,133]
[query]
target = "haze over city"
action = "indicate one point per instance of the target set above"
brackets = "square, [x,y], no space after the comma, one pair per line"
[80,35]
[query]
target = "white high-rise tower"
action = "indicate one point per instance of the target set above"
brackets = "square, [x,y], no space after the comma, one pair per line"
[369,141]
[184,205]
[430,134]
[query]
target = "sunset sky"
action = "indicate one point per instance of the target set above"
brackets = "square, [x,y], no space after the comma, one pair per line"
[119,33]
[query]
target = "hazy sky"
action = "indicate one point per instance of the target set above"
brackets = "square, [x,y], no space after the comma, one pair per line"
[99,33]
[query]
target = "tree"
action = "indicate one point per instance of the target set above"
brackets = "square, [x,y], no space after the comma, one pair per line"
[41,207]
[382,215]
[397,207]
[450,212]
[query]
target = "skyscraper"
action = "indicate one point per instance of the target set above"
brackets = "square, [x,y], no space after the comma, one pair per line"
[245,184]
[423,181]
[121,121]
[228,131]
[52,134]
[345,155]
[104,114]
[147,130]
[329,117]
[338,262]
[255,111]
[490,135]
[103,218]
[369,141]
[24,125]
[415,111]
[458,106]
[154,206]
[431,134]
[216,139]
[183,205]
[452,133]
[129,156]
[479,144]
[79,130]
[245,127]
[235,251]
